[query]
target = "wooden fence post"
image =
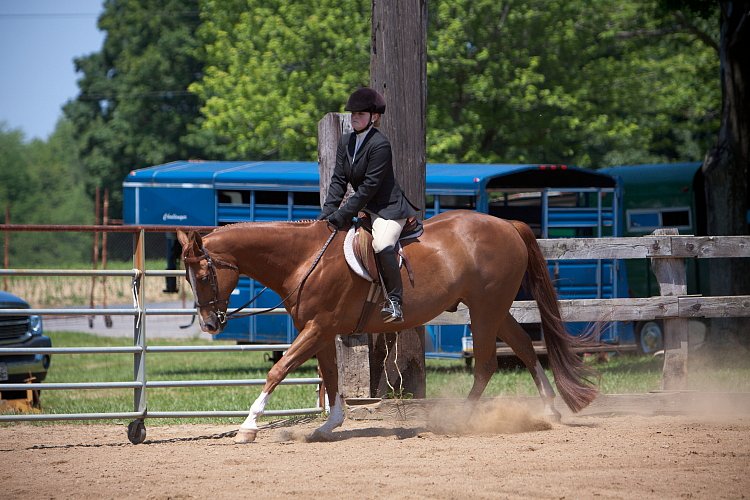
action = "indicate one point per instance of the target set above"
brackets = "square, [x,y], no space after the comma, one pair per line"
[6,247]
[352,351]
[672,277]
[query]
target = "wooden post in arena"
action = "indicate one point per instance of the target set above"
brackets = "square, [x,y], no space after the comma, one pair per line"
[672,278]
[398,70]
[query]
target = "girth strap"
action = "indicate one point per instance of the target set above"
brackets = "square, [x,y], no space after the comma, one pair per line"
[367,307]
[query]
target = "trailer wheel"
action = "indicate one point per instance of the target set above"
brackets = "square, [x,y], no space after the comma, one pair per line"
[650,338]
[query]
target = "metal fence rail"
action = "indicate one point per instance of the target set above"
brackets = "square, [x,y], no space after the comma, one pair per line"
[141,385]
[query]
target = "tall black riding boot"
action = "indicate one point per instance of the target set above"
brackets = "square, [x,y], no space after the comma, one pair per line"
[388,263]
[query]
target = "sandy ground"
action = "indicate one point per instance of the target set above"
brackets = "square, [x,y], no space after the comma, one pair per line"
[504,453]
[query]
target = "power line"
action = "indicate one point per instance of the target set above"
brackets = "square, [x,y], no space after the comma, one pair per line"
[49,15]
[135,95]
[62,15]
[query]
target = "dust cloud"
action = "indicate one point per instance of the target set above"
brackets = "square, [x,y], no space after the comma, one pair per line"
[496,417]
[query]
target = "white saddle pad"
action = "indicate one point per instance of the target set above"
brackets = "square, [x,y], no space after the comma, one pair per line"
[351,259]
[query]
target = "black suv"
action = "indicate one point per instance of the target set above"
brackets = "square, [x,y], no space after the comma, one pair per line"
[22,332]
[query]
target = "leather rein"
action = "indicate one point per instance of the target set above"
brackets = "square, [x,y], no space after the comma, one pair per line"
[212,262]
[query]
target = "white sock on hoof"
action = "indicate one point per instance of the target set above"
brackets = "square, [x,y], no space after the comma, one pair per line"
[256,410]
[335,415]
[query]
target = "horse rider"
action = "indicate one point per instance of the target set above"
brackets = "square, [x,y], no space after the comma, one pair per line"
[364,160]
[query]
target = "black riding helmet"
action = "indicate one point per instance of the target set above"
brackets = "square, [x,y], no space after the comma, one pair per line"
[366,99]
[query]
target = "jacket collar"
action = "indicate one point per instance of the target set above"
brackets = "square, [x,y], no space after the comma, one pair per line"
[353,141]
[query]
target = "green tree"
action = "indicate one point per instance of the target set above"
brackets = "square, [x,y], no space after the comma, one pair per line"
[134,109]
[566,81]
[593,84]
[15,181]
[726,167]
[275,67]
[42,183]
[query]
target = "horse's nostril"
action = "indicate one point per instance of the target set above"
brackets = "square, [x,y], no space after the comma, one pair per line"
[210,323]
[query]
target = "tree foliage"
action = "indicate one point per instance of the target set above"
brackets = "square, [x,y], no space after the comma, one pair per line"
[558,81]
[134,109]
[592,84]
[15,185]
[533,81]
[42,183]
[274,68]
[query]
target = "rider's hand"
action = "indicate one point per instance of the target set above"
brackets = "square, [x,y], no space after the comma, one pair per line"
[337,220]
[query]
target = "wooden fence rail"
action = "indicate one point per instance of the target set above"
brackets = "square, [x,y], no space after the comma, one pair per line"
[668,253]
[651,246]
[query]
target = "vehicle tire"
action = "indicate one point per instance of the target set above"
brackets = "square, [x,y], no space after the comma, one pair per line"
[650,337]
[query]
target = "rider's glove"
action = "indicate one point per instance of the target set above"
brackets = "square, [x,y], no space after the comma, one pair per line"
[337,220]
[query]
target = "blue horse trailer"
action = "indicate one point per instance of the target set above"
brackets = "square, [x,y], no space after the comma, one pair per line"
[656,196]
[555,200]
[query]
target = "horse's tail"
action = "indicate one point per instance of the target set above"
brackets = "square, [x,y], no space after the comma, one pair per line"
[571,375]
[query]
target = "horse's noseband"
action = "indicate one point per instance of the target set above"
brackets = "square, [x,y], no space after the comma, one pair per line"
[211,263]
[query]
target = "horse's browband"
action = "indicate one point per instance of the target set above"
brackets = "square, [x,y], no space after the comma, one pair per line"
[209,259]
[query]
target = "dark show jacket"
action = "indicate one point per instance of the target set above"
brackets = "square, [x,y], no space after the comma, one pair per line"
[371,176]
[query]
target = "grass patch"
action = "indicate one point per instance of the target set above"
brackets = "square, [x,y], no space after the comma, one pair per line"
[68,291]
[621,374]
[728,372]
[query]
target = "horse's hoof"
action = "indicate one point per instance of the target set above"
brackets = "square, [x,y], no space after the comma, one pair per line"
[320,436]
[553,416]
[245,436]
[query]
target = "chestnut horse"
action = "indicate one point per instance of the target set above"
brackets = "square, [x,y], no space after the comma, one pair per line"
[463,256]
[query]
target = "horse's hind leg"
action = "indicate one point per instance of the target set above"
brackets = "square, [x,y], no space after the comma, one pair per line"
[517,339]
[485,353]
[329,373]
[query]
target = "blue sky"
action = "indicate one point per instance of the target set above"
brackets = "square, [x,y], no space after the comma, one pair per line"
[38,41]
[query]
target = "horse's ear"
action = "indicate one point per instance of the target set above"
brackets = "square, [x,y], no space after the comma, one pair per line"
[191,238]
[182,238]
[196,238]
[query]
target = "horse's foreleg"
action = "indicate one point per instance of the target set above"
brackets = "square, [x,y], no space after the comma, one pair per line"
[306,344]
[329,372]
[517,339]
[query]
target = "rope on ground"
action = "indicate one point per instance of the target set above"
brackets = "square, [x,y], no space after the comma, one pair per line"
[286,422]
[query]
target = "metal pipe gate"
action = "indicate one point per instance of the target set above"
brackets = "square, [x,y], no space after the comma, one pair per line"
[139,350]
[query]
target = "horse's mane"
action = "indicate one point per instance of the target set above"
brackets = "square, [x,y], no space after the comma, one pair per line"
[240,225]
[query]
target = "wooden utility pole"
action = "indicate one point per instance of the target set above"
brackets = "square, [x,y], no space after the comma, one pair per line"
[398,70]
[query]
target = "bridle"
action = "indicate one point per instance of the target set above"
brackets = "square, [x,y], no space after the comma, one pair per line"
[211,263]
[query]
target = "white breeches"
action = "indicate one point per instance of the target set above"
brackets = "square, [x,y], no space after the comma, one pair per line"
[385,232]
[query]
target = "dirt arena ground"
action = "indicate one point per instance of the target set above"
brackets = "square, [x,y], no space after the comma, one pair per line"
[504,452]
